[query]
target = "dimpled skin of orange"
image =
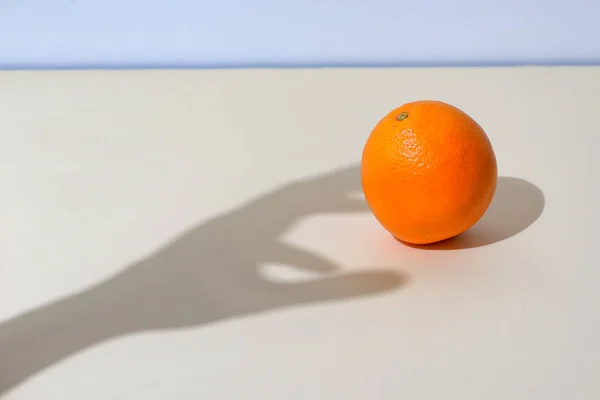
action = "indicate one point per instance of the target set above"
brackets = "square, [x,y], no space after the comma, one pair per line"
[428,172]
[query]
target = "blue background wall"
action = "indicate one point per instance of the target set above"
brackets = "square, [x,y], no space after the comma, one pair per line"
[234,33]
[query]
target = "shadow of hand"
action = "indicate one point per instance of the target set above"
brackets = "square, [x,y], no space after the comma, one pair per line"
[209,273]
[212,271]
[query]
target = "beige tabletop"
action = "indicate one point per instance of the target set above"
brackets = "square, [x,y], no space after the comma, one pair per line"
[202,235]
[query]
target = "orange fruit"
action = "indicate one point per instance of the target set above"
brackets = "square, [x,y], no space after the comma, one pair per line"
[428,172]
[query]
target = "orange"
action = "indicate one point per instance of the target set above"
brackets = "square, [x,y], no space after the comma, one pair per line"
[428,172]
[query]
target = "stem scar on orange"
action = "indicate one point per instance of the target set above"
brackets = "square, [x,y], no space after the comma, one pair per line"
[428,172]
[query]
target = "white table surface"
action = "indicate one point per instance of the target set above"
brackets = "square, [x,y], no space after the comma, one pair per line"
[201,235]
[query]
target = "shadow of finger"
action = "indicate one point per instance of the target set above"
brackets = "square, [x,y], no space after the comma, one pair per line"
[341,287]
